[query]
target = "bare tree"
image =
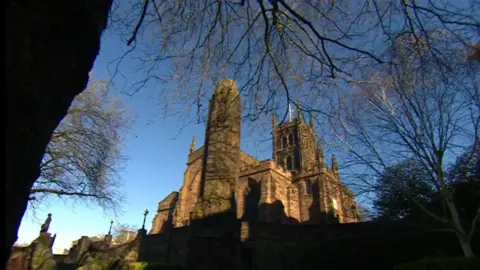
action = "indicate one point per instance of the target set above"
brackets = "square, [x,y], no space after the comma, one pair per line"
[271,46]
[417,109]
[124,233]
[84,156]
[278,51]
[43,76]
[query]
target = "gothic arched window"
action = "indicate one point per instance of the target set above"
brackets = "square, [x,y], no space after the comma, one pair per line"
[280,159]
[279,143]
[284,141]
[290,139]
[289,163]
[334,204]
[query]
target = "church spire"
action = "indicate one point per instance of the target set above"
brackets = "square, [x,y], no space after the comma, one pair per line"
[192,145]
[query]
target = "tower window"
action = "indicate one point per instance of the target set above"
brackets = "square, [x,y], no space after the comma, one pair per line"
[334,204]
[284,140]
[290,139]
[279,143]
[289,163]
[309,187]
[280,159]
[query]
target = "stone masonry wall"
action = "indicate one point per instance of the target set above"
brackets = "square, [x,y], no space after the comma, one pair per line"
[189,193]
[247,162]
[293,202]
[222,151]
[219,176]
[308,143]
[163,218]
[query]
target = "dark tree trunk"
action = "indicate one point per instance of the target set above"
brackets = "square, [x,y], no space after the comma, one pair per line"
[50,49]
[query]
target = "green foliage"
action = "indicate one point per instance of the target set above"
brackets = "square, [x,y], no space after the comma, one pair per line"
[406,184]
[467,166]
[137,266]
[152,266]
[441,264]
[100,263]
[398,186]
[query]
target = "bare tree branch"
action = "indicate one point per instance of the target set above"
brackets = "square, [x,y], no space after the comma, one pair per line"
[84,156]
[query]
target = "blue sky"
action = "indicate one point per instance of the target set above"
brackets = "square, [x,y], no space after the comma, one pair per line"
[157,155]
[155,167]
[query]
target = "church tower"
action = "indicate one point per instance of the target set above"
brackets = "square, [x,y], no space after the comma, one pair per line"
[295,144]
[221,154]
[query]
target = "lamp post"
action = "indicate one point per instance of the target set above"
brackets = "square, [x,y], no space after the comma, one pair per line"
[111,224]
[144,218]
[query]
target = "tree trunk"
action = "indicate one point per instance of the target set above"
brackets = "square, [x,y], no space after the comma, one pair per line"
[50,49]
[466,246]
[465,243]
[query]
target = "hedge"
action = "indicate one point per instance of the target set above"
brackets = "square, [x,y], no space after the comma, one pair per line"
[441,264]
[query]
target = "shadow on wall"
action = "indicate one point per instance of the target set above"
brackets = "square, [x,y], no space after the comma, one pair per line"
[252,200]
[168,225]
[265,212]
[225,217]
[275,212]
[280,246]
[315,212]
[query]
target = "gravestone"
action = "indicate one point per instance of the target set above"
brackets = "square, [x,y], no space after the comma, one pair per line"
[42,256]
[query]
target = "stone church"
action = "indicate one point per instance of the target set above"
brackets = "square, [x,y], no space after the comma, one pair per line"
[295,187]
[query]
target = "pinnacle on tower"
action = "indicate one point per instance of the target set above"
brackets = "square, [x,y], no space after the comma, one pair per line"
[290,115]
[319,154]
[312,122]
[274,121]
[192,145]
[334,165]
[299,112]
[319,150]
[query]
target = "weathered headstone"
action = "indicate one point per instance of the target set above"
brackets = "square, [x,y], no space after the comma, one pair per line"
[108,240]
[42,256]
[89,264]
[78,251]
